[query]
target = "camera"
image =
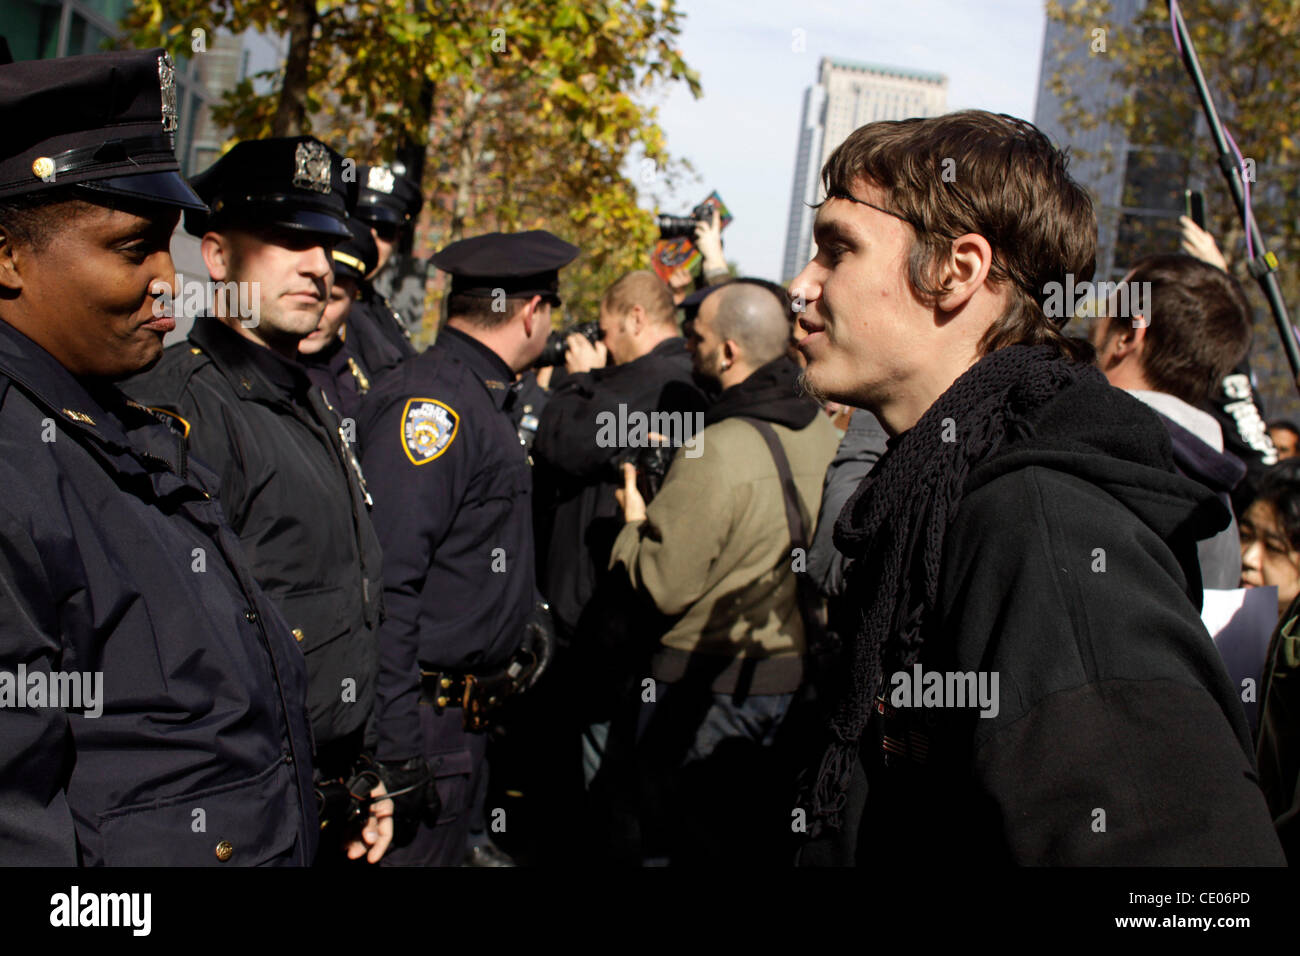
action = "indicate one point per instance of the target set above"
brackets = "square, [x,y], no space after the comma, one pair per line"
[651,463]
[676,227]
[555,349]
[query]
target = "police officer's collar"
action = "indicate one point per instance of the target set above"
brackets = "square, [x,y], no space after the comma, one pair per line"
[497,377]
[71,400]
[254,370]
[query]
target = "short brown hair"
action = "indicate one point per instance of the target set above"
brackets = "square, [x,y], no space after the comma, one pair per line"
[1198,325]
[477,309]
[645,289]
[984,173]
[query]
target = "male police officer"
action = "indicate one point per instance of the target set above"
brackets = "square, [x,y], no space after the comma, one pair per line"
[453,509]
[387,202]
[120,581]
[290,483]
[341,375]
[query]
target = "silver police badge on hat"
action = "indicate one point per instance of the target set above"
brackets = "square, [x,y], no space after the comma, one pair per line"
[167,87]
[380,179]
[312,167]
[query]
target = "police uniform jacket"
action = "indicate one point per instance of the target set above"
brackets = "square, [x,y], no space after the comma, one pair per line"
[376,335]
[343,380]
[452,495]
[114,557]
[294,494]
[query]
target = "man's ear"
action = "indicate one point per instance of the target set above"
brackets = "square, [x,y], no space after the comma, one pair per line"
[11,263]
[215,249]
[636,320]
[531,316]
[730,351]
[964,271]
[1130,339]
[1117,342]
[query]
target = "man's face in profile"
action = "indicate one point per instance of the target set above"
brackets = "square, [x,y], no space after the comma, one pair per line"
[860,315]
[336,311]
[703,342]
[614,333]
[292,272]
[86,295]
[1284,440]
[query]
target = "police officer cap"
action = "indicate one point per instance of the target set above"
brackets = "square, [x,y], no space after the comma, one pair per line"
[104,122]
[386,195]
[519,263]
[356,256]
[290,182]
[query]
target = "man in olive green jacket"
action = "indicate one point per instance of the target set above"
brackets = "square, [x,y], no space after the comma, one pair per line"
[715,553]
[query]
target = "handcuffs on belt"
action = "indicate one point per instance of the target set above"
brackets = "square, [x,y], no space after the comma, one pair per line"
[479,695]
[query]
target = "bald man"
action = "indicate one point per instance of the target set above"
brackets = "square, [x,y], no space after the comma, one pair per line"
[715,552]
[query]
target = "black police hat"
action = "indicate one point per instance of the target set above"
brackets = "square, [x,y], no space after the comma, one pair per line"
[518,263]
[386,195]
[356,256]
[104,122]
[291,182]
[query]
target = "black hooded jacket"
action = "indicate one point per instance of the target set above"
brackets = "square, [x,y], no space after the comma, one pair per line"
[1115,736]
[1220,555]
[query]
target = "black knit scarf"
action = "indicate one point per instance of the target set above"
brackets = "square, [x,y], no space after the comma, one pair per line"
[894,526]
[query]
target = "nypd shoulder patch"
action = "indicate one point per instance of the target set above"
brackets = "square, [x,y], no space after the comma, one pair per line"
[428,429]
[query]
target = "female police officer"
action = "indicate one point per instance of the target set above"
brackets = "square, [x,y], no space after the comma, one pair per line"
[152,701]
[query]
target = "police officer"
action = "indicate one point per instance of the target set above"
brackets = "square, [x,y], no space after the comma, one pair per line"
[388,202]
[452,506]
[330,366]
[291,484]
[151,696]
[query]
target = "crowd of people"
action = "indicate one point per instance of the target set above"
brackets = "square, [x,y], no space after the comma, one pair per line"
[897,562]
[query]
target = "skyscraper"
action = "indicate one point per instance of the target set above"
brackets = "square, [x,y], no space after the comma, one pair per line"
[847,95]
[1136,190]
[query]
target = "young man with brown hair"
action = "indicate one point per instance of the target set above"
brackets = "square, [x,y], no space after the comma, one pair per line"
[1191,328]
[1029,681]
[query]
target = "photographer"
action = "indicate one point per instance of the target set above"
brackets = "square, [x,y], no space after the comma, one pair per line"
[713,270]
[575,477]
[713,552]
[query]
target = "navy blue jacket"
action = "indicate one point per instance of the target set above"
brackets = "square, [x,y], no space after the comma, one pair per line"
[292,488]
[115,558]
[453,509]
[376,334]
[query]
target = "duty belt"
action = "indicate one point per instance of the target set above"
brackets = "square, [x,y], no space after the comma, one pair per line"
[478,695]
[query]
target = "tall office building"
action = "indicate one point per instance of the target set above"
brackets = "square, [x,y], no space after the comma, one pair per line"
[847,95]
[1136,190]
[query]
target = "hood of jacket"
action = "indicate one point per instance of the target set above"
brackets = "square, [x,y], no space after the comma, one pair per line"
[770,394]
[1106,437]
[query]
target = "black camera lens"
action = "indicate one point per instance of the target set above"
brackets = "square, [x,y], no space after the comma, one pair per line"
[676,227]
[557,348]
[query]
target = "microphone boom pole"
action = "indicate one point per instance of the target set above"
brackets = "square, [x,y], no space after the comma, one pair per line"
[1264,264]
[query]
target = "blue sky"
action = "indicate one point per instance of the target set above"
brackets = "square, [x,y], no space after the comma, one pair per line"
[741,134]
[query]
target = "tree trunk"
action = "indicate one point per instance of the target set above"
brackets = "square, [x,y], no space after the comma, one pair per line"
[291,113]
[467,166]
